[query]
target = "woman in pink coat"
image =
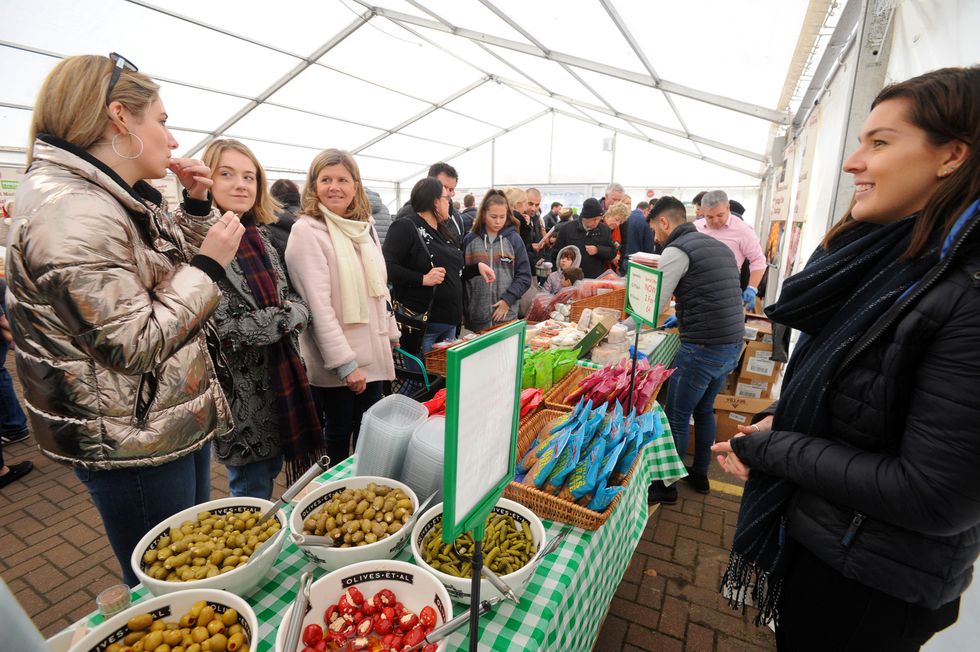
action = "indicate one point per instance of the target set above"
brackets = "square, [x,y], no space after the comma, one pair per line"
[336,265]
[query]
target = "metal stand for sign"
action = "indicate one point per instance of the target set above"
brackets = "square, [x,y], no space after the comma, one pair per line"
[482,408]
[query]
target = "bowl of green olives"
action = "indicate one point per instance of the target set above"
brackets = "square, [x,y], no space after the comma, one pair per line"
[512,542]
[367,517]
[215,545]
[195,619]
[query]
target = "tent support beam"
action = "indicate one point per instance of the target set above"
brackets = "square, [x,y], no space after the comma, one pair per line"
[397,128]
[706,159]
[489,139]
[638,51]
[640,121]
[754,110]
[282,81]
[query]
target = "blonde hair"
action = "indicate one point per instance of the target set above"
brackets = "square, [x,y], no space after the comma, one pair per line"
[619,211]
[515,196]
[72,103]
[265,206]
[360,207]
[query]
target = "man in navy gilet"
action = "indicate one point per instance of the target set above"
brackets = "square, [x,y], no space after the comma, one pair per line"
[701,273]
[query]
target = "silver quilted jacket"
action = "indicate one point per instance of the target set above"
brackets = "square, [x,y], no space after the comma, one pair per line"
[109,318]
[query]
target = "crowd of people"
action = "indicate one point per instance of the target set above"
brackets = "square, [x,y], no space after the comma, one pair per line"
[257,324]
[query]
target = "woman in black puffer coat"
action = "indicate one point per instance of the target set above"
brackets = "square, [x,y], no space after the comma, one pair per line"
[860,522]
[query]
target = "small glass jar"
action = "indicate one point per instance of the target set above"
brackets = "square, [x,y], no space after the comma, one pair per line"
[114,599]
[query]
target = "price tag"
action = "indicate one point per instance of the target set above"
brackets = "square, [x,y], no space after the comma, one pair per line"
[643,293]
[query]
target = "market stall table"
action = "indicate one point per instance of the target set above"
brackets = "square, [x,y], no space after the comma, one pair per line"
[566,600]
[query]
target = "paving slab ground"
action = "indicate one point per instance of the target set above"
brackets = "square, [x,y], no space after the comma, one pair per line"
[55,558]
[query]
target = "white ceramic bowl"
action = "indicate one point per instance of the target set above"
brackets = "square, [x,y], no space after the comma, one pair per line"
[170,607]
[414,587]
[240,581]
[458,587]
[334,558]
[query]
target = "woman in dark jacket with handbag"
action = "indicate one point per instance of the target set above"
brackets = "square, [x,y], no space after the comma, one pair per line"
[424,267]
[860,522]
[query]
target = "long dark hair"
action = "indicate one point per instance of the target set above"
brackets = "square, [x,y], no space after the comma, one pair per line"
[493,197]
[945,104]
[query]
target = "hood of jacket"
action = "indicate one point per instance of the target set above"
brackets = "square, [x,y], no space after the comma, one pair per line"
[108,317]
[577,261]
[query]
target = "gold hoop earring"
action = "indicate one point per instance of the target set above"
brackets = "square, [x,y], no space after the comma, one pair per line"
[120,154]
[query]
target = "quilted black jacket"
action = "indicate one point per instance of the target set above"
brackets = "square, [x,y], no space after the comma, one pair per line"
[891,497]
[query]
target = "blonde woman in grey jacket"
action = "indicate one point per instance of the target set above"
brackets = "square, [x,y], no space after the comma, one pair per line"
[109,298]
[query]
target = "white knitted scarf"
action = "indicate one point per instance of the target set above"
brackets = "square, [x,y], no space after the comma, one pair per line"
[352,268]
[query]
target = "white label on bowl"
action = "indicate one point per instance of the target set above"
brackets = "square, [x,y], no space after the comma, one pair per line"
[392,576]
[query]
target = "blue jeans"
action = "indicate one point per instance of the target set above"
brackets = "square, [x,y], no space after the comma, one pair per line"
[254,480]
[699,376]
[437,333]
[133,500]
[12,418]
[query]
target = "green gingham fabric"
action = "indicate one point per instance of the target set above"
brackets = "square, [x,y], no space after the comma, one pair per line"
[564,603]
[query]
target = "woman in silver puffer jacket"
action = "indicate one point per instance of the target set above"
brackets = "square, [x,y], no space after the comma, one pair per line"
[109,298]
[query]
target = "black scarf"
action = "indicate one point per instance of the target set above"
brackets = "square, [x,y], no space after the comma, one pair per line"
[835,300]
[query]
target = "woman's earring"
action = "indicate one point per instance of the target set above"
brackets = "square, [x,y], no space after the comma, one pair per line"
[120,154]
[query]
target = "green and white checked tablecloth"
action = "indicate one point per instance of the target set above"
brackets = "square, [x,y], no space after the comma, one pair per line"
[564,603]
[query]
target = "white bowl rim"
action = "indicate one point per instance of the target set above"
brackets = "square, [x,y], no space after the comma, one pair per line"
[136,559]
[505,503]
[335,486]
[364,566]
[152,603]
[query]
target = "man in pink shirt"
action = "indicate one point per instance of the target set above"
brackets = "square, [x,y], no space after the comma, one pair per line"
[719,223]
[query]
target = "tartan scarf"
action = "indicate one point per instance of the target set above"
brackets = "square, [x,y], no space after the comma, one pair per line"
[834,301]
[300,435]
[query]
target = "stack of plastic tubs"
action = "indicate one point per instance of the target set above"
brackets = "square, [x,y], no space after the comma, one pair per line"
[424,459]
[386,429]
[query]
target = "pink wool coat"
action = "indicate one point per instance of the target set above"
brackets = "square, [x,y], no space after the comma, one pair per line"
[329,344]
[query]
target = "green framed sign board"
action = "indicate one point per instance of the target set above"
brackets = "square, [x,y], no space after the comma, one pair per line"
[643,293]
[483,391]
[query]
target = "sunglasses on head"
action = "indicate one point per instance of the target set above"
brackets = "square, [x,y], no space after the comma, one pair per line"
[119,63]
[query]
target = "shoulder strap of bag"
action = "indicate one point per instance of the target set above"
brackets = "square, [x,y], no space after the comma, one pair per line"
[418,232]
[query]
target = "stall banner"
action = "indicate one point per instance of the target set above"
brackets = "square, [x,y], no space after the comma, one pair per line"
[779,212]
[775,241]
[807,142]
[794,247]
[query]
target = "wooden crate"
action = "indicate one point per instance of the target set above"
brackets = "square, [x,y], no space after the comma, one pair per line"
[544,504]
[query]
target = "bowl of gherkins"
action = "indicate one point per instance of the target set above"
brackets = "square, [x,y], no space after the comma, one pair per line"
[511,545]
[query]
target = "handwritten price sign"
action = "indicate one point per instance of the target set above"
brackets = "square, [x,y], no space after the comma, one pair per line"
[643,293]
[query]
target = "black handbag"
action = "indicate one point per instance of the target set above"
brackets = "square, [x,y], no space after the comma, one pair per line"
[413,323]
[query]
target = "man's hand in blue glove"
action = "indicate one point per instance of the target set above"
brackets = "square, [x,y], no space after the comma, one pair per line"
[670,322]
[748,297]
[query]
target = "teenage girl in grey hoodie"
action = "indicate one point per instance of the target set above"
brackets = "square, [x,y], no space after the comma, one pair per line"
[497,271]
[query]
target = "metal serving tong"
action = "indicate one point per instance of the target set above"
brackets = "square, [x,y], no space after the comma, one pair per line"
[448,628]
[298,611]
[321,465]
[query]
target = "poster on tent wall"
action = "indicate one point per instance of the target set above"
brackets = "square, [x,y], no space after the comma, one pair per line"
[794,247]
[774,243]
[779,211]
[807,143]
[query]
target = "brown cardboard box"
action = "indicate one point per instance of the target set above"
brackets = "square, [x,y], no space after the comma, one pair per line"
[757,363]
[758,330]
[733,411]
[751,388]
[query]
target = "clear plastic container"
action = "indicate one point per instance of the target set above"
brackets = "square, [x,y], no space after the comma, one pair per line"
[424,460]
[386,429]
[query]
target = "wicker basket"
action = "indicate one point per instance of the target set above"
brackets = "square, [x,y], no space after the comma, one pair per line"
[614,299]
[552,507]
[554,398]
[435,360]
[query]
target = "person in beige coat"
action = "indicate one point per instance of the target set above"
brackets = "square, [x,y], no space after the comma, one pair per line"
[336,266]
[110,298]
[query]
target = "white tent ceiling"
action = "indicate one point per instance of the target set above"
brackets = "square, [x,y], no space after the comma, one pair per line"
[507,90]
